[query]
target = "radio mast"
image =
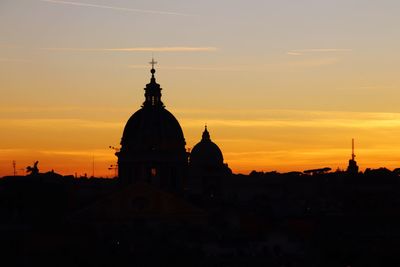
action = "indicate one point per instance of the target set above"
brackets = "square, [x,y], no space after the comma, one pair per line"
[15,167]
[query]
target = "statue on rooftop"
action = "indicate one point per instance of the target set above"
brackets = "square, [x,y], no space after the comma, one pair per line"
[33,170]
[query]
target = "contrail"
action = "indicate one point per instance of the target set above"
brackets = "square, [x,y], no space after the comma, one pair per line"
[157,12]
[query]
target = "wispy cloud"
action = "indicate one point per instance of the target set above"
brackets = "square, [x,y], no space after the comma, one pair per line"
[14,60]
[323,124]
[98,153]
[314,62]
[139,49]
[61,123]
[147,11]
[59,109]
[299,52]
[292,53]
[229,118]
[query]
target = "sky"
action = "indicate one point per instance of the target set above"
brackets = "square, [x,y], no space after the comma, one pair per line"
[283,85]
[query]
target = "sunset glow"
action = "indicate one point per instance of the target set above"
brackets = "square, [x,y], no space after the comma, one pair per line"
[282,92]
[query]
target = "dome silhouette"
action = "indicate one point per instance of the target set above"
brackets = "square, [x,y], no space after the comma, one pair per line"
[152,129]
[206,153]
[152,144]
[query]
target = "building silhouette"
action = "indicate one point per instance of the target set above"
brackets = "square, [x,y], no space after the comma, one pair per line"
[352,168]
[153,151]
[153,145]
[207,170]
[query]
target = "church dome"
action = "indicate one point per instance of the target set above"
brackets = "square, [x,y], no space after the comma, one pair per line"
[206,153]
[152,128]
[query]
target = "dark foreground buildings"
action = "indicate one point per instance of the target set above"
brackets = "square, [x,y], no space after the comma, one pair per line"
[170,207]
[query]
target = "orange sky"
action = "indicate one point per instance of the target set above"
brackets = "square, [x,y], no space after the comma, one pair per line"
[282,85]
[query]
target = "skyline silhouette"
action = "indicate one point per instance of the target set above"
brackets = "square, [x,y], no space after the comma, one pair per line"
[352,165]
[152,108]
[283,85]
[112,166]
[265,135]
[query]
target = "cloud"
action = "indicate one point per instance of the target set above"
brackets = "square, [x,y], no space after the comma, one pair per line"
[293,119]
[62,123]
[294,53]
[311,124]
[314,62]
[11,150]
[14,60]
[299,52]
[57,109]
[98,153]
[155,12]
[140,49]
[237,118]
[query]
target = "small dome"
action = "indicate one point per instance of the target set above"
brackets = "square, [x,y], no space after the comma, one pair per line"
[206,153]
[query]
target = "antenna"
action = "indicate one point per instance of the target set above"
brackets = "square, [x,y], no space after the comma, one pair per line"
[352,149]
[92,166]
[14,167]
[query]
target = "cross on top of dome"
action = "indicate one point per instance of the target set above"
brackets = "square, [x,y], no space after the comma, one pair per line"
[152,62]
[153,90]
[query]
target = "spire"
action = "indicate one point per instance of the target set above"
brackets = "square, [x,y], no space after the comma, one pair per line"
[352,168]
[153,90]
[206,134]
[152,62]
